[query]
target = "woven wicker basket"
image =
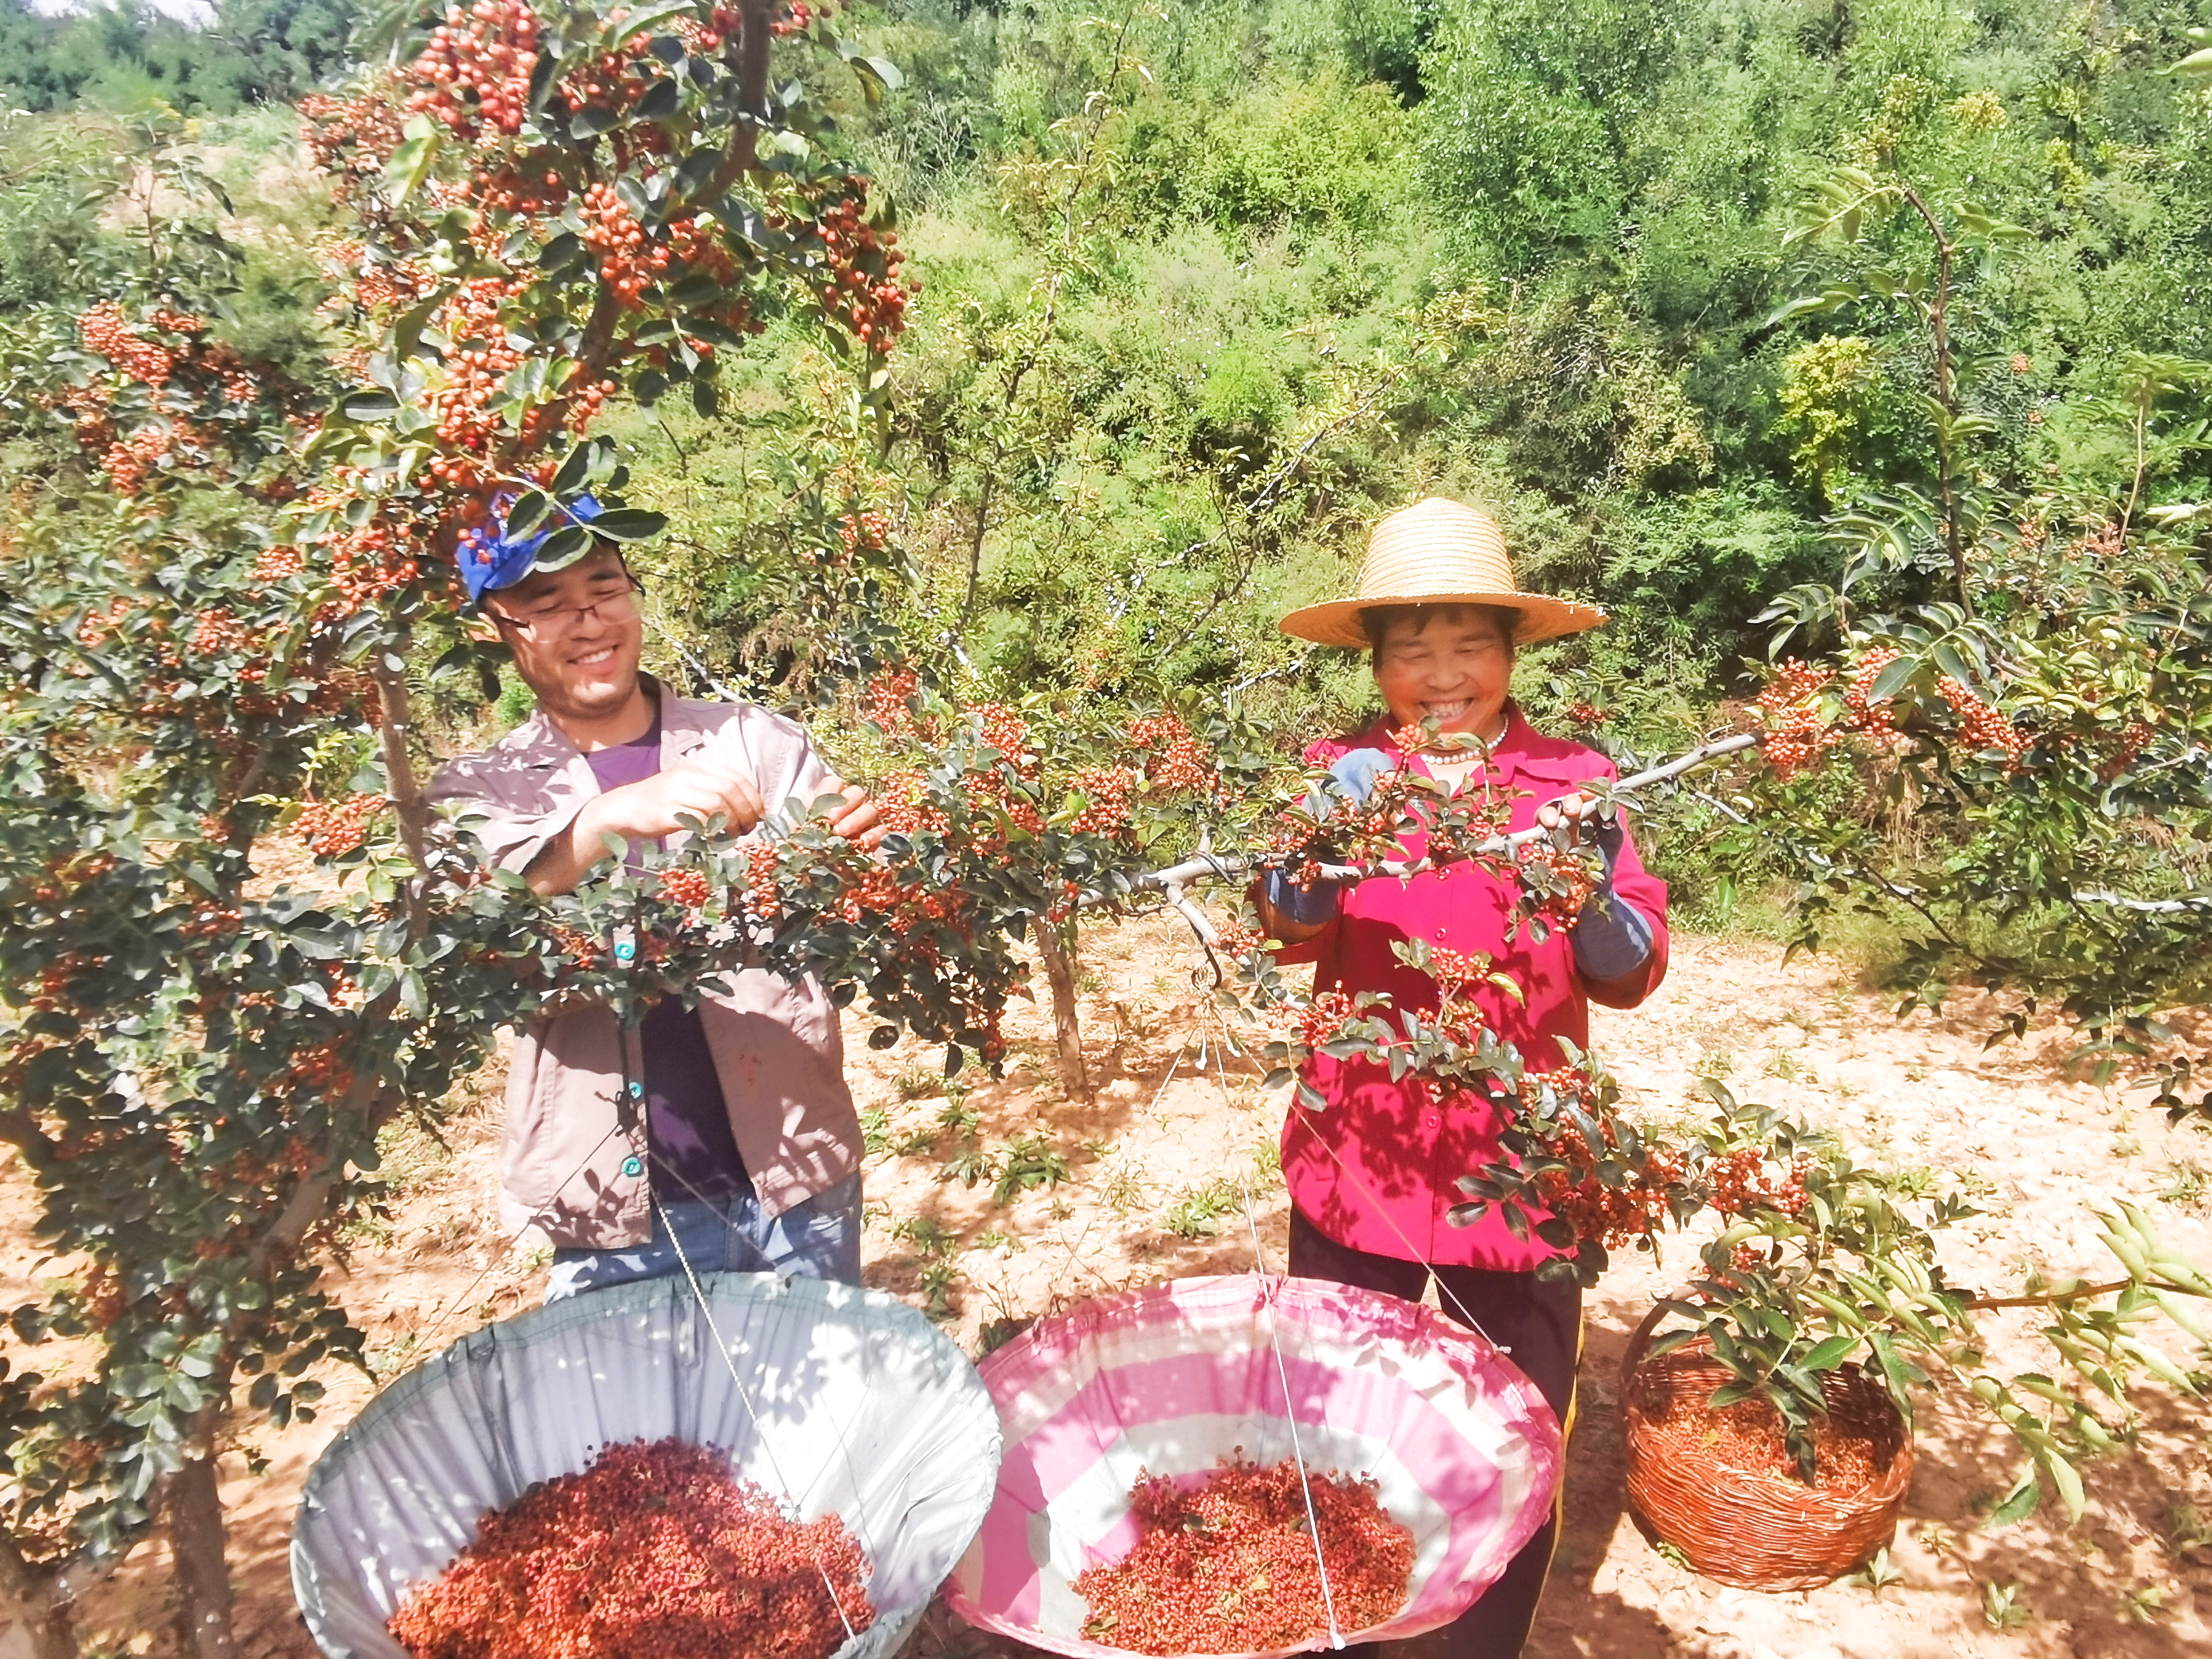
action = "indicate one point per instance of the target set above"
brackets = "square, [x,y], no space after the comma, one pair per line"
[1762,1532]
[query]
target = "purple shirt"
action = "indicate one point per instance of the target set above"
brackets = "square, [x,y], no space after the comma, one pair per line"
[687,1122]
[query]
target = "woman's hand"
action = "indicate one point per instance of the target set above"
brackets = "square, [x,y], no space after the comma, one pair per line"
[1612,939]
[1584,814]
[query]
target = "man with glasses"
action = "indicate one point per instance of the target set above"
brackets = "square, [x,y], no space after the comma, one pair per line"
[724,1135]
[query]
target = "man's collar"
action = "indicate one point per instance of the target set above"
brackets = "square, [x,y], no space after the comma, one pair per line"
[539,742]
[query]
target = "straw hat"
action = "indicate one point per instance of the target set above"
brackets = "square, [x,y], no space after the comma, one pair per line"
[1438,552]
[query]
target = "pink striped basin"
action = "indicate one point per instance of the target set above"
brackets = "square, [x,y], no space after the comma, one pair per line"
[1171,1379]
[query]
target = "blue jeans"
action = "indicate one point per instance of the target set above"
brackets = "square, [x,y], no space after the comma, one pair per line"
[817,1239]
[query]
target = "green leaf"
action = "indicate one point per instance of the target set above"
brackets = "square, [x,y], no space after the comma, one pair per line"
[528,512]
[574,469]
[564,547]
[2068,1480]
[368,405]
[1731,1394]
[410,163]
[638,22]
[1827,1356]
[2019,1503]
[629,523]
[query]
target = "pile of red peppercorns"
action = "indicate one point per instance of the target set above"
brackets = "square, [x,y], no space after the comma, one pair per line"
[1229,1566]
[658,1550]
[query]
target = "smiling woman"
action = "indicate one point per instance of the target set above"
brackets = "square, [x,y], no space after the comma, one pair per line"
[1373,1171]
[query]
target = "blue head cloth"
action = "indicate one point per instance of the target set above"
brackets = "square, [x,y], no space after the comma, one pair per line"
[491,559]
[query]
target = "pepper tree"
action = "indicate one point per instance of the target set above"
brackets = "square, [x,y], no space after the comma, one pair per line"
[220,590]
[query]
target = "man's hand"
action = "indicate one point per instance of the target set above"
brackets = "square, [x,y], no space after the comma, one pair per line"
[859,820]
[700,788]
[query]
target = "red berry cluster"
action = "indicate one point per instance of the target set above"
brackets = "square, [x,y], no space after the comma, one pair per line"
[763,897]
[1368,831]
[351,138]
[216,631]
[993,792]
[864,530]
[365,561]
[860,288]
[481,358]
[1982,727]
[276,564]
[1180,765]
[656,1552]
[1597,1210]
[904,802]
[628,264]
[2103,542]
[1554,885]
[333,830]
[106,333]
[1452,969]
[1106,791]
[799,16]
[103,623]
[127,463]
[1004,730]
[1323,1019]
[1742,1180]
[890,703]
[1237,938]
[1585,715]
[688,887]
[577,946]
[1864,715]
[2131,742]
[1228,1565]
[1798,728]
[475,73]
[618,81]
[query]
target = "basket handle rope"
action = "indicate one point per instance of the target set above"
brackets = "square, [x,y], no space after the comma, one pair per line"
[632,1095]
[1289,1413]
[722,1347]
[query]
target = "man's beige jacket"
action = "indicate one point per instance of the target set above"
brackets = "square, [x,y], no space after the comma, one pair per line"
[566,1165]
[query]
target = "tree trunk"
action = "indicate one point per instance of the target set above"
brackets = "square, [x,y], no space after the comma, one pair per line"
[1055,943]
[203,1574]
[35,1602]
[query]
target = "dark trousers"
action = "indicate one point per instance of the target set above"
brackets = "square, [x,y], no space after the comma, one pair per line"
[1539,1325]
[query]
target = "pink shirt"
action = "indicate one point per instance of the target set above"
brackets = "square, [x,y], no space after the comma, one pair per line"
[1378,1168]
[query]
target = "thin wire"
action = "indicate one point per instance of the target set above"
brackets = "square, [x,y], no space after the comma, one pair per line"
[1435,1272]
[744,1399]
[1289,1413]
[462,1301]
[633,1093]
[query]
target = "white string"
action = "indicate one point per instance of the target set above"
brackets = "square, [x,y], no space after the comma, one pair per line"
[1412,1252]
[1290,1414]
[745,1399]
[1376,1204]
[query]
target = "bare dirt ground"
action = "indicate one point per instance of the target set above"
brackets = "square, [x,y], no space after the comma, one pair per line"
[1155,1174]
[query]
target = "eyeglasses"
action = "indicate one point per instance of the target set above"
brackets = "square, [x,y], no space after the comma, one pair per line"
[561,621]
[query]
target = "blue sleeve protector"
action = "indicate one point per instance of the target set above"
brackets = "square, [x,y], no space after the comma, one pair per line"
[1611,939]
[1312,905]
